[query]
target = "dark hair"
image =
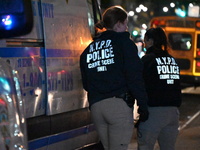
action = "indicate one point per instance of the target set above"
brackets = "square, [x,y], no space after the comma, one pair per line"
[111,16]
[159,38]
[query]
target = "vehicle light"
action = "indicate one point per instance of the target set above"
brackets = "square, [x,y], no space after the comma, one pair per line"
[198,64]
[198,24]
[162,23]
[2,102]
[158,23]
[198,51]
[7,22]
[16,18]
[155,23]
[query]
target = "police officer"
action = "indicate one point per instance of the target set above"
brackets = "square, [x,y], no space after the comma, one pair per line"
[162,82]
[112,75]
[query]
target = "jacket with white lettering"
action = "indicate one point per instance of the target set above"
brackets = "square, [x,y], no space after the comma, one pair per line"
[162,78]
[110,66]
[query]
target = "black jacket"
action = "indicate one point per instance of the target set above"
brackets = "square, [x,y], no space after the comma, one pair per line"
[162,78]
[110,66]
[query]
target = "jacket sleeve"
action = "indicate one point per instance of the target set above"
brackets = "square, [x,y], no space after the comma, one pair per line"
[133,69]
[148,71]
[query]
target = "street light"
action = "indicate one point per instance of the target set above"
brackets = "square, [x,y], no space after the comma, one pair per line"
[172,5]
[165,9]
[138,10]
[131,13]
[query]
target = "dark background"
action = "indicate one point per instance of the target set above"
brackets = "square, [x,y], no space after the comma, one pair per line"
[155,8]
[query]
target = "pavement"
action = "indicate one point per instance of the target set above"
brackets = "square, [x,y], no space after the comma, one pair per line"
[188,138]
[189,132]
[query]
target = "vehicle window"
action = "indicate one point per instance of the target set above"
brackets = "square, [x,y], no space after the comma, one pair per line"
[94,15]
[91,18]
[180,41]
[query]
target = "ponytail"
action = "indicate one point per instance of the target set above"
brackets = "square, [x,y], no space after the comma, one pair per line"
[159,38]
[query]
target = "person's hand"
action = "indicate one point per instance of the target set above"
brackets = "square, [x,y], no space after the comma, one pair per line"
[144,114]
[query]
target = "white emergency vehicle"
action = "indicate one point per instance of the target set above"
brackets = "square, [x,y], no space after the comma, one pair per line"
[47,63]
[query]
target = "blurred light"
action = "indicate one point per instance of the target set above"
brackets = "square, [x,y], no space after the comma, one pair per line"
[2,102]
[165,9]
[158,23]
[9,99]
[191,5]
[198,64]
[198,53]
[180,12]
[145,9]
[198,24]
[155,22]
[90,21]
[7,22]
[138,9]
[188,44]
[5,85]
[172,5]
[139,43]
[135,33]
[141,6]
[143,31]
[131,13]
[144,26]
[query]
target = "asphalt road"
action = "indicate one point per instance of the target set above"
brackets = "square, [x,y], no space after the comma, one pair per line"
[189,135]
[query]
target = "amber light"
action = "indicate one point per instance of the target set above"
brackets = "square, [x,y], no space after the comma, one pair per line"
[162,23]
[198,24]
